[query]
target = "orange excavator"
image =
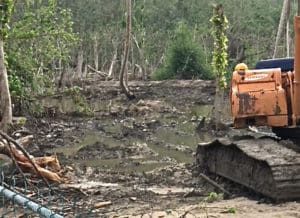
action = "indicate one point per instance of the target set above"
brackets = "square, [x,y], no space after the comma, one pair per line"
[268,95]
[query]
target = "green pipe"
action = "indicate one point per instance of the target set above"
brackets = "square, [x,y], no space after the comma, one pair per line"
[43,211]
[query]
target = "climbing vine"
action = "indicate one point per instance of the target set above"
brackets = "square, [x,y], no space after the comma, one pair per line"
[6,8]
[219,54]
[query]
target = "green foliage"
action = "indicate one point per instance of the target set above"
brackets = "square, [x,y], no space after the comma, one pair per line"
[231,210]
[41,35]
[16,86]
[185,59]
[81,106]
[168,212]
[219,55]
[6,8]
[19,76]
[213,196]
[251,33]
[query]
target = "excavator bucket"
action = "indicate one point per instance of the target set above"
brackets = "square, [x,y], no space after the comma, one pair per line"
[264,165]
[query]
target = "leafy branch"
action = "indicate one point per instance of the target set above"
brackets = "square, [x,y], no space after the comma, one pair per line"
[219,54]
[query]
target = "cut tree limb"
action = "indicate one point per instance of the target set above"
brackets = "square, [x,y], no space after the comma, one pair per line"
[26,140]
[15,161]
[24,159]
[213,183]
[103,74]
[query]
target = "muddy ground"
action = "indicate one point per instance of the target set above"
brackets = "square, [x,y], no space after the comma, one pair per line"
[139,154]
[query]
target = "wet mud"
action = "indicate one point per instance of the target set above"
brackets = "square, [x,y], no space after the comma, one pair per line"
[139,154]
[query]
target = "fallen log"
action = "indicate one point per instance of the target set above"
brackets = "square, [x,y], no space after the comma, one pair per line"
[102,204]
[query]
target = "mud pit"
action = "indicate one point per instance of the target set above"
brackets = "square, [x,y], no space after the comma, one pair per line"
[139,155]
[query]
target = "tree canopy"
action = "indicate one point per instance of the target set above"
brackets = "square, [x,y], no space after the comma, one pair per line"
[46,37]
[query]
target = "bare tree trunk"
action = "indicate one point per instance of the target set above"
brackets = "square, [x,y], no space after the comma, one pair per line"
[96,54]
[283,17]
[5,100]
[123,72]
[139,70]
[85,71]
[126,77]
[144,61]
[62,71]
[217,109]
[78,73]
[287,39]
[132,62]
[113,62]
[287,31]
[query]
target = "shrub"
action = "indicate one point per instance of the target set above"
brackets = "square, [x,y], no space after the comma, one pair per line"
[184,59]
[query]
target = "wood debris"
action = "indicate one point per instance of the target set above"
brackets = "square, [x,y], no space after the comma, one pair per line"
[102,204]
[47,167]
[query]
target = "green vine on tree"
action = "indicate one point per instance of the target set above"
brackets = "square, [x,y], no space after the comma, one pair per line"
[6,9]
[219,54]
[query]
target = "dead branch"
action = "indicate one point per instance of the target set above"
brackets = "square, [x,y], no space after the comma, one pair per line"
[50,161]
[213,183]
[102,204]
[113,62]
[142,70]
[18,146]
[23,158]
[26,140]
[103,74]
[14,160]
[42,171]
[23,161]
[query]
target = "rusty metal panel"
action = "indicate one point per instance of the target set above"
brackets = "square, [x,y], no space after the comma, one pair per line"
[260,86]
[259,103]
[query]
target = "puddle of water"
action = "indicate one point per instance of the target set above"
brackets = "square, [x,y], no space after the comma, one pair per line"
[89,138]
[177,155]
[143,165]
[182,134]
[164,151]
[170,137]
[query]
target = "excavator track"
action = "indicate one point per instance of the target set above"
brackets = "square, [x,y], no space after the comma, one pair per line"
[265,165]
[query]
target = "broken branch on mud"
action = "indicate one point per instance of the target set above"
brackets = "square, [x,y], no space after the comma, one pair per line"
[213,183]
[103,74]
[24,161]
